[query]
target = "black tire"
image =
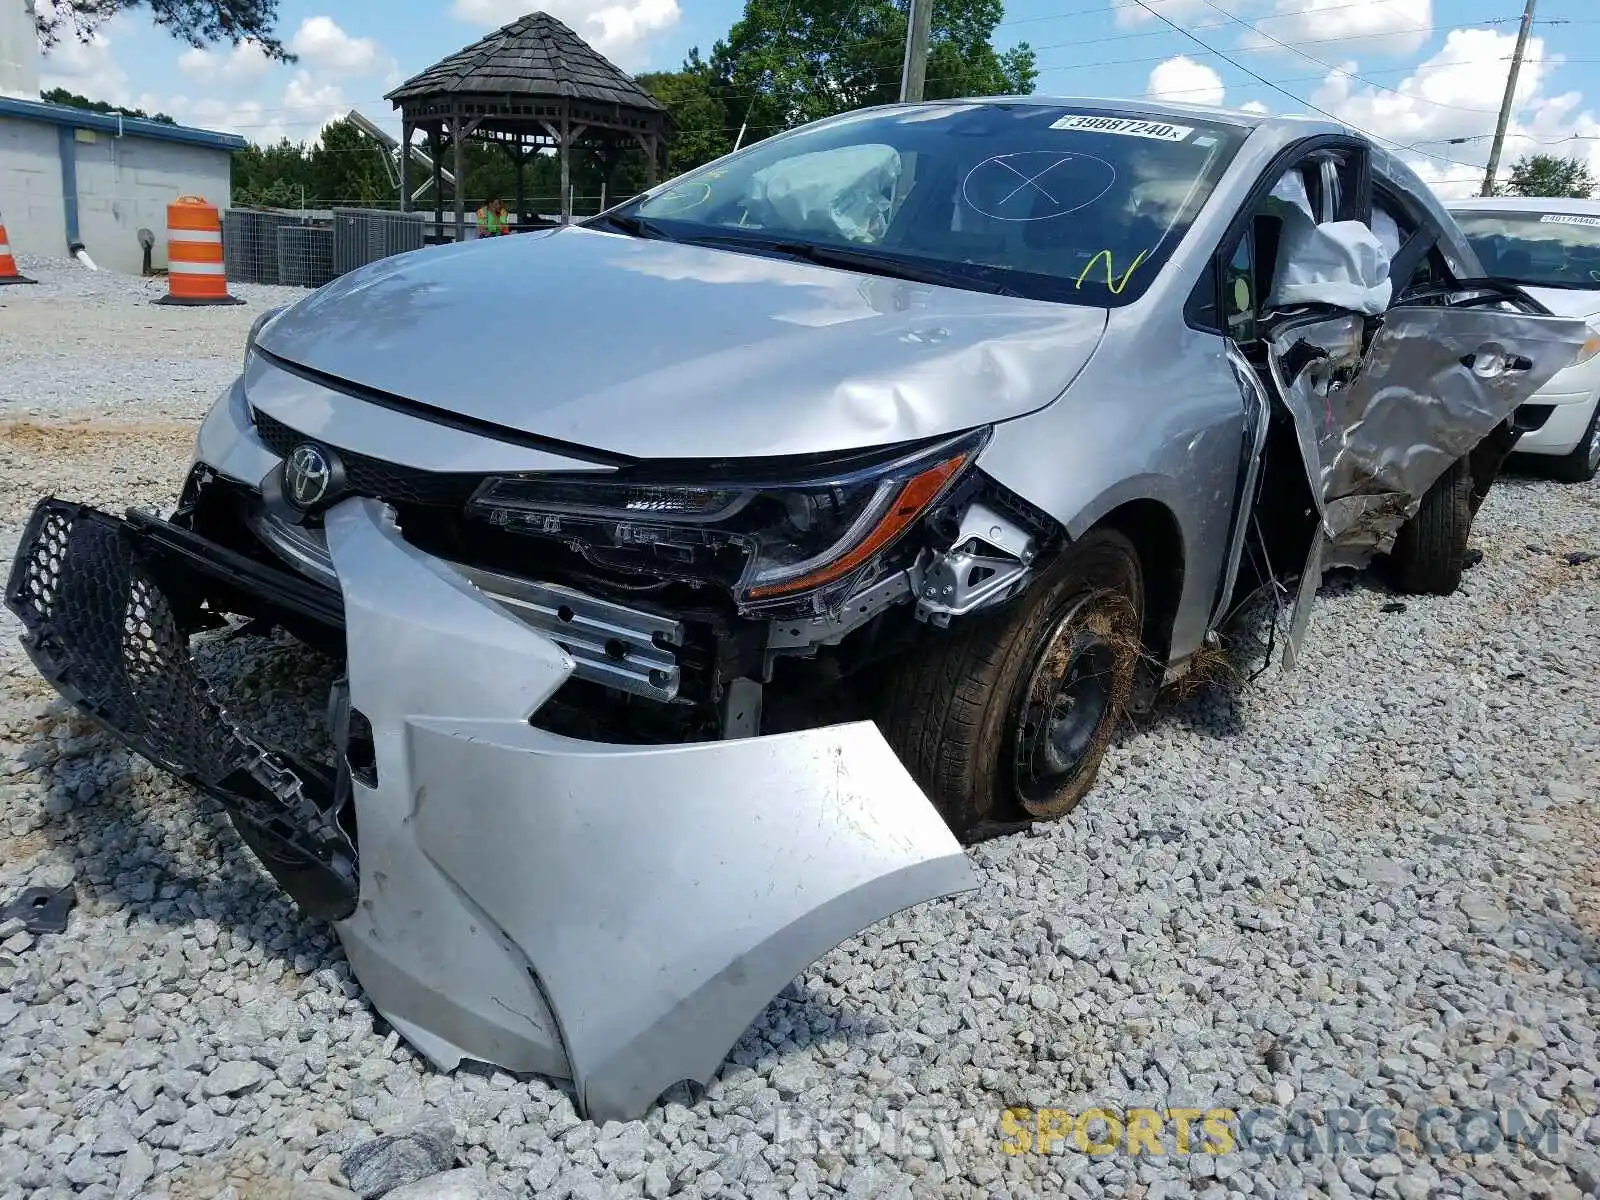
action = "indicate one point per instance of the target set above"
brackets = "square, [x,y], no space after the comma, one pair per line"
[955,710]
[1430,551]
[1583,463]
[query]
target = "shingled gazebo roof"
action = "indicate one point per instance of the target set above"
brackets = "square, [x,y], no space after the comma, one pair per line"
[533,56]
[530,87]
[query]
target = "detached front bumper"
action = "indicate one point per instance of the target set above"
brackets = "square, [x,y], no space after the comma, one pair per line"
[616,915]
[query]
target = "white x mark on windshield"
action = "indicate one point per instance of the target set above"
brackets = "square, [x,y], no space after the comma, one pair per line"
[1031,180]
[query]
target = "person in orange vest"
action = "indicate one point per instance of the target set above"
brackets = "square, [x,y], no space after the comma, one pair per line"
[493,220]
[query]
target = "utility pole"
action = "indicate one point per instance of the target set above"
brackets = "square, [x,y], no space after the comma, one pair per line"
[914,70]
[1510,97]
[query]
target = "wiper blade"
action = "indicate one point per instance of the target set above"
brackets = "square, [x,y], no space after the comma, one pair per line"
[633,226]
[970,276]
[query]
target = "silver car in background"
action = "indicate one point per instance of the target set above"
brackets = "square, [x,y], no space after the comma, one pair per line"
[1551,247]
[701,574]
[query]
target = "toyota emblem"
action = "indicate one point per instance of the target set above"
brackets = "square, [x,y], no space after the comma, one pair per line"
[308,476]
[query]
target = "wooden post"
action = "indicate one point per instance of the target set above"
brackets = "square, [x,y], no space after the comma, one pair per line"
[914,70]
[405,165]
[461,181]
[648,146]
[566,170]
[436,152]
[522,215]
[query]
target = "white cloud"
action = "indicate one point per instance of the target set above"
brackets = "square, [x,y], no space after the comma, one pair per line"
[1336,27]
[323,46]
[1455,94]
[616,29]
[1130,14]
[1255,106]
[238,64]
[1185,81]
[87,68]
[239,89]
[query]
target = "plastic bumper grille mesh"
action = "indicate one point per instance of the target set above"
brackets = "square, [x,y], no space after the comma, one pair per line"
[103,632]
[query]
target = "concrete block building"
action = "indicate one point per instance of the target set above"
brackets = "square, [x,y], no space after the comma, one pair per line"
[71,178]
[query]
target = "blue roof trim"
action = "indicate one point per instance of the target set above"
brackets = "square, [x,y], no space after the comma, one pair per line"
[80,118]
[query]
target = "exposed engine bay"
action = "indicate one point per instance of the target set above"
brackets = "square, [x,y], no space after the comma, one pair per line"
[682,604]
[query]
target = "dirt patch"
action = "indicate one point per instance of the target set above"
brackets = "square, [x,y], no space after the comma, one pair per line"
[91,438]
[110,463]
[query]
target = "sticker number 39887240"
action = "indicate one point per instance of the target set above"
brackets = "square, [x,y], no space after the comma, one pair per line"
[1126,126]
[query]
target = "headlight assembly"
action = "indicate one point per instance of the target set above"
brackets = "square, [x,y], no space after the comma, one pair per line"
[774,543]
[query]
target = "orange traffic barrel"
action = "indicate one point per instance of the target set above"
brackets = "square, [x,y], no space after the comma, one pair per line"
[8,264]
[195,274]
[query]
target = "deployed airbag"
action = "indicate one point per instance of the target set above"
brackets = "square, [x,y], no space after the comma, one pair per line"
[1338,263]
[844,193]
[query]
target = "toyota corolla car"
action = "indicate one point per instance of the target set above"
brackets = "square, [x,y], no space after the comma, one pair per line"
[703,572]
[1552,248]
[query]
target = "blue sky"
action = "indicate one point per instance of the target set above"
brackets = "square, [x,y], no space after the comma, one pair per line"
[1418,73]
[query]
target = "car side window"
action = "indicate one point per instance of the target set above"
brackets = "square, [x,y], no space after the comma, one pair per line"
[1328,184]
[1419,261]
[1239,290]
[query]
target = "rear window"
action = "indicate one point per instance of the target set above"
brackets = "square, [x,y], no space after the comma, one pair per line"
[1070,204]
[1550,249]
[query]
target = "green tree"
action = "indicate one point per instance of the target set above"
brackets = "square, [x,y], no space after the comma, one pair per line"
[197,22]
[346,168]
[784,64]
[1550,175]
[272,176]
[73,100]
[691,96]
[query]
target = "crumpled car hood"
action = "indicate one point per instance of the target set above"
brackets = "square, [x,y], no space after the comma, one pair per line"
[656,349]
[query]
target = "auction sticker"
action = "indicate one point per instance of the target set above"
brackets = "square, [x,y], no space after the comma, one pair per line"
[1567,219]
[1126,126]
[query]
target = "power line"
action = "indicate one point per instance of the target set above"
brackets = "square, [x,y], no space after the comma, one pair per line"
[1339,70]
[1078,42]
[1059,67]
[1285,91]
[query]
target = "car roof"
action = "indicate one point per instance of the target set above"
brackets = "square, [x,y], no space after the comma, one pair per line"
[1163,109]
[1526,204]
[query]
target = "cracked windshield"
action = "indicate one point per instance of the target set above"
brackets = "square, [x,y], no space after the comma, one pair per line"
[1030,200]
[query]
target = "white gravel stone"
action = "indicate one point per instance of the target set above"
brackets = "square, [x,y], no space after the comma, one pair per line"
[1370,882]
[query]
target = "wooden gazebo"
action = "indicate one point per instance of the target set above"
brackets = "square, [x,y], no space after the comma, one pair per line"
[528,86]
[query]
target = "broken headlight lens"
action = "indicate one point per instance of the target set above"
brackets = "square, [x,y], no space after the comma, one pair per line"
[771,542]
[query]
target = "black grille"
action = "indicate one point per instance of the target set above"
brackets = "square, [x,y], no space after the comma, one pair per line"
[375,478]
[101,630]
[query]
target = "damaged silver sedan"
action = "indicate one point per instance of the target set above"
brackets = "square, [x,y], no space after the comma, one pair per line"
[704,574]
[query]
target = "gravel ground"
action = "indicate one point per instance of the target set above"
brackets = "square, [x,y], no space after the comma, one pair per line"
[1371,883]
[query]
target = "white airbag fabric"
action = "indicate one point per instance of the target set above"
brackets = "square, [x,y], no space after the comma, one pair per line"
[1338,263]
[846,193]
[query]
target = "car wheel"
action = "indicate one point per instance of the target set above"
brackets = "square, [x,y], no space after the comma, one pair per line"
[1583,463]
[1006,717]
[1430,551]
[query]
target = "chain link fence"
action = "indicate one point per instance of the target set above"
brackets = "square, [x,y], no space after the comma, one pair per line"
[311,248]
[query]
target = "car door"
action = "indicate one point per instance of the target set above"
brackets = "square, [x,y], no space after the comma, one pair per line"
[1384,403]
[1387,367]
